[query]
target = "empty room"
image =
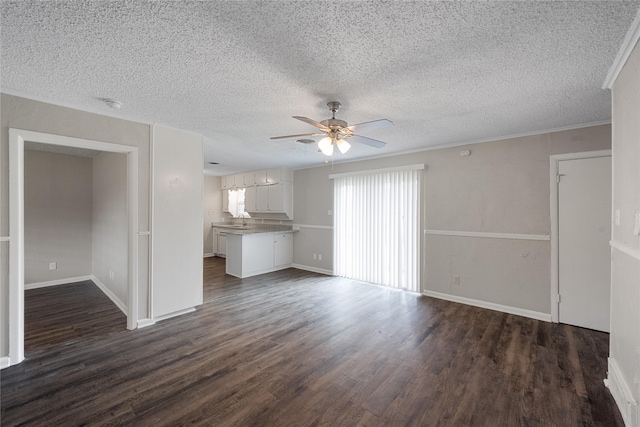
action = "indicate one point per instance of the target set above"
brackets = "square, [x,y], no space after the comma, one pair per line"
[302,213]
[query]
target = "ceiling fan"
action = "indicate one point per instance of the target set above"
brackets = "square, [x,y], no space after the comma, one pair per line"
[337,133]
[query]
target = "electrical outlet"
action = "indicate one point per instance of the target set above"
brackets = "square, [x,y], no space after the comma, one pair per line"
[53,266]
[315,256]
[455,280]
[319,257]
[111,275]
[616,217]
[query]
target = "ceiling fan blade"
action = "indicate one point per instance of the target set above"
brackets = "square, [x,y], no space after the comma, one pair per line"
[373,125]
[367,141]
[296,136]
[312,123]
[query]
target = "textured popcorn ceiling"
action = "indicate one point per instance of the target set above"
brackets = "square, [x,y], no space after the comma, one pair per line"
[443,72]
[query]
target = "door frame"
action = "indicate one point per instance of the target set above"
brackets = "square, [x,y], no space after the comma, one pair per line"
[17,138]
[554,162]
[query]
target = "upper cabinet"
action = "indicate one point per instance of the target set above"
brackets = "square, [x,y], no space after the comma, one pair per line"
[266,191]
[273,176]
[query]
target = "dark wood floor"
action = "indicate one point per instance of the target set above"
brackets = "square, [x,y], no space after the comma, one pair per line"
[294,348]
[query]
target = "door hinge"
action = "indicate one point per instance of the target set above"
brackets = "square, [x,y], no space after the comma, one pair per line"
[559,298]
[558,177]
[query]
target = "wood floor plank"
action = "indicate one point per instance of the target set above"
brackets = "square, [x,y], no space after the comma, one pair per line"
[294,348]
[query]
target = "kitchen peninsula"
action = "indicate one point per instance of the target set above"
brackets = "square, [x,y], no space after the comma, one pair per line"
[253,250]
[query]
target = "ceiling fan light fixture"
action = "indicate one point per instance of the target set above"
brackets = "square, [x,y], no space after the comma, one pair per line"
[326,146]
[343,145]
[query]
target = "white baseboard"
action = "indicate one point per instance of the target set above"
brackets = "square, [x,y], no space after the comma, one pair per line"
[545,317]
[208,255]
[174,314]
[622,394]
[28,286]
[143,323]
[122,306]
[312,269]
[5,362]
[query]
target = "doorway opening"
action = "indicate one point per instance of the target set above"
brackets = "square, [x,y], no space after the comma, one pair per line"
[17,140]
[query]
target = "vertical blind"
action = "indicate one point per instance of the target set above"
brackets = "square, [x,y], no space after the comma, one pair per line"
[377,236]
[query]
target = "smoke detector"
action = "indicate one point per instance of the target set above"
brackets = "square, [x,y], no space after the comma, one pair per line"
[112,103]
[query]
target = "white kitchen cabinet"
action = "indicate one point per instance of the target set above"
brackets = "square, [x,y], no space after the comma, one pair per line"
[276,198]
[252,254]
[248,179]
[250,195]
[283,250]
[225,200]
[260,177]
[221,245]
[262,198]
[273,176]
[219,242]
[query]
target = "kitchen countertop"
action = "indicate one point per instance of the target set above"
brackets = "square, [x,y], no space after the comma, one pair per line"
[251,229]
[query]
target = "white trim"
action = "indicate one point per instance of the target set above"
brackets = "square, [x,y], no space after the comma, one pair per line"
[16,246]
[632,252]
[208,255]
[541,237]
[5,239]
[5,362]
[545,317]
[621,393]
[17,137]
[630,40]
[151,221]
[554,161]
[122,306]
[313,269]
[57,282]
[319,227]
[143,323]
[377,171]
[174,314]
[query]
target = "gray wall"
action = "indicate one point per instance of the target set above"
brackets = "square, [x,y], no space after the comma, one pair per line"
[212,210]
[503,187]
[110,228]
[57,216]
[37,116]
[625,268]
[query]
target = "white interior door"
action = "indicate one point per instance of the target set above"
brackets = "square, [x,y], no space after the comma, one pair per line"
[584,231]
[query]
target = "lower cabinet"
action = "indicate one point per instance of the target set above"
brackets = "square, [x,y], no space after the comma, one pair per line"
[252,254]
[219,243]
[283,250]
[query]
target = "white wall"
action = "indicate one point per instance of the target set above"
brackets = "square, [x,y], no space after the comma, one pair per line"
[57,215]
[110,224]
[212,210]
[177,245]
[624,359]
[503,187]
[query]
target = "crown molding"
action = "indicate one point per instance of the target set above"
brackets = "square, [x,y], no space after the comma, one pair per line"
[630,41]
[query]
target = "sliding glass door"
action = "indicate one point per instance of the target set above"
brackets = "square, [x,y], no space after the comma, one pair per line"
[377,221]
